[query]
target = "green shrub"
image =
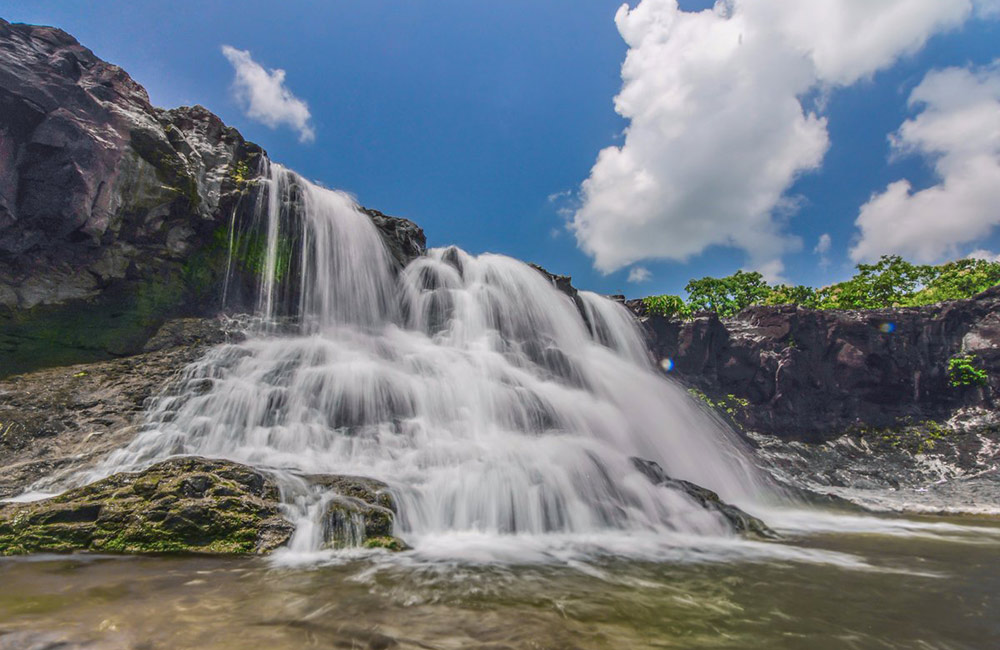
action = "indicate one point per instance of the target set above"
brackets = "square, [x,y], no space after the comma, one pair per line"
[666,305]
[963,371]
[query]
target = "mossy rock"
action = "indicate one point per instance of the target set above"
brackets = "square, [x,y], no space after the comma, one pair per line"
[388,543]
[361,512]
[183,505]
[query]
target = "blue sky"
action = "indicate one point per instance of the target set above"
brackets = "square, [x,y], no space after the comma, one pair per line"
[468,116]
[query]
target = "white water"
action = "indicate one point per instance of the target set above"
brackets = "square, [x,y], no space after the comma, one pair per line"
[470,385]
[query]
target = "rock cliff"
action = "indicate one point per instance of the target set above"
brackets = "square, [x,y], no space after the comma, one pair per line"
[114,214]
[813,375]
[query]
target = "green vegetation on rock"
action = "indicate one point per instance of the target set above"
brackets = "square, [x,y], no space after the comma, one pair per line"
[185,505]
[963,371]
[915,438]
[890,282]
[731,405]
[388,543]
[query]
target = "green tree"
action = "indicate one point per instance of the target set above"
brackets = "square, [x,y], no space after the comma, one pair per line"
[890,282]
[667,305]
[956,280]
[727,296]
[784,294]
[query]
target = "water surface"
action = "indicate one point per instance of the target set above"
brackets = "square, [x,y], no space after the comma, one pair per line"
[925,584]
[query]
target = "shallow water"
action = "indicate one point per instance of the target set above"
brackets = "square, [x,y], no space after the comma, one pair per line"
[838,582]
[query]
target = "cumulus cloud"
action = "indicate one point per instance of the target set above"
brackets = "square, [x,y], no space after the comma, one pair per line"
[639,274]
[717,127]
[264,96]
[958,132]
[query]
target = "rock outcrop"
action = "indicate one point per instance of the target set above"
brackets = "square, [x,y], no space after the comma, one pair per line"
[180,505]
[813,375]
[360,512]
[194,505]
[115,214]
[57,420]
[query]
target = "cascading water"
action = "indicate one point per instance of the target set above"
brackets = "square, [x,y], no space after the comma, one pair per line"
[489,401]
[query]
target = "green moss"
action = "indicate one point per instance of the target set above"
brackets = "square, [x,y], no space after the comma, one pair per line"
[181,506]
[240,172]
[387,542]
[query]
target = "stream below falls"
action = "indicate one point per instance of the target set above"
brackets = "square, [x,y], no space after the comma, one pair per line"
[922,584]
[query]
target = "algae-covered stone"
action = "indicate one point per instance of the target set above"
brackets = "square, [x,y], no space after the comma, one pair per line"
[181,505]
[360,512]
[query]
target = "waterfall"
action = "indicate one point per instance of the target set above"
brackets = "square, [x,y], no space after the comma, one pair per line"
[489,401]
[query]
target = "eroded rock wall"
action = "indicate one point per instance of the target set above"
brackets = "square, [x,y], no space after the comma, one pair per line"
[815,374]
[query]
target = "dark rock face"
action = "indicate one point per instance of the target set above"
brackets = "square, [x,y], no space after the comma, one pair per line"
[114,214]
[740,521]
[180,505]
[404,239]
[812,375]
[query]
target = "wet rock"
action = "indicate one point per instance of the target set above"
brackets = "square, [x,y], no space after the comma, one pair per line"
[361,512]
[404,239]
[181,505]
[63,419]
[740,521]
[924,467]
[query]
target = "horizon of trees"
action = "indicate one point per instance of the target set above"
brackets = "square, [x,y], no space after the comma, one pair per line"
[890,282]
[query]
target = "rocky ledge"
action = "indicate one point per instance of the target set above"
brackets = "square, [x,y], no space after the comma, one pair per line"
[58,420]
[192,505]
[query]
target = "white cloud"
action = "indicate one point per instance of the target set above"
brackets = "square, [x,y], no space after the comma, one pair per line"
[717,129]
[639,274]
[822,248]
[265,97]
[987,8]
[982,254]
[958,132]
[823,245]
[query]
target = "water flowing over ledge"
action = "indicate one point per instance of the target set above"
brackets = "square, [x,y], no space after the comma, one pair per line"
[489,402]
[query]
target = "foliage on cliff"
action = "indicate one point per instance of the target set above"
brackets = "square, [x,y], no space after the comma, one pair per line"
[890,282]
